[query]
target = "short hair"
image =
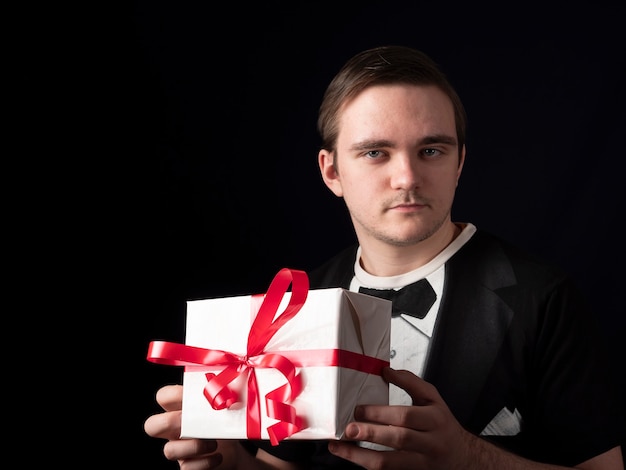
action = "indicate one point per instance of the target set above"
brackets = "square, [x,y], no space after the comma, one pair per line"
[384,65]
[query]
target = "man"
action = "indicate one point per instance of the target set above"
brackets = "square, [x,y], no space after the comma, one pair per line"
[501,369]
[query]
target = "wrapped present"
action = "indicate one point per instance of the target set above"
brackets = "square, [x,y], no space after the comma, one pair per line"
[287,364]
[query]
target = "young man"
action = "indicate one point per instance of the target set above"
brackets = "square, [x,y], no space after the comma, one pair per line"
[501,369]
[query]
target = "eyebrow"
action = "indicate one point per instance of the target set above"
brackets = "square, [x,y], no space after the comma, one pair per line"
[369,144]
[428,140]
[439,139]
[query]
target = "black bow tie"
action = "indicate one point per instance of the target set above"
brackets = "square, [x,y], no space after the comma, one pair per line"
[414,299]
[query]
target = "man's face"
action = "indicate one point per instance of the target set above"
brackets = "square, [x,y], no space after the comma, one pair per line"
[397,163]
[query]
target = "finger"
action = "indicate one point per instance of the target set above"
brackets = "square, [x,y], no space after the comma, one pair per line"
[190,449]
[419,390]
[370,459]
[203,463]
[419,418]
[355,454]
[164,425]
[170,397]
[396,437]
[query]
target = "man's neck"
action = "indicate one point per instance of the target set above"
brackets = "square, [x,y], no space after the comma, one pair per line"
[382,259]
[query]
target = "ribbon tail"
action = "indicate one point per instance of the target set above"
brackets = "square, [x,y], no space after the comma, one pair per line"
[277,401]
[253,415]
[289,421]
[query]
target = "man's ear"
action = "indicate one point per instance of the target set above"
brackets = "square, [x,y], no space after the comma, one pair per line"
[328,170]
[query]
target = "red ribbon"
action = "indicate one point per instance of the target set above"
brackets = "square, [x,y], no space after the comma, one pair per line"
[263,328]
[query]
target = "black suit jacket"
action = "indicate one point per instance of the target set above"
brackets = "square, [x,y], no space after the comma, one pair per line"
[512,332]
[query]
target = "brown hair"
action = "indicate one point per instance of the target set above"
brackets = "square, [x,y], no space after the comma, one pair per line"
[383,66]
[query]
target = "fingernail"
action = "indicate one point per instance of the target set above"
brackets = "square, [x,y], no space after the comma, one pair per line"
[352,430]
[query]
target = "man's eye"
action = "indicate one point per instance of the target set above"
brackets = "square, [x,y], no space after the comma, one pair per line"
[373,154]
[431,152]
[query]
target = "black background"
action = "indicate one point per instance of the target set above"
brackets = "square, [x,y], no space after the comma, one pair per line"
[211,177]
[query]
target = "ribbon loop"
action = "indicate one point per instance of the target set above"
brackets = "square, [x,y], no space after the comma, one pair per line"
[266,323]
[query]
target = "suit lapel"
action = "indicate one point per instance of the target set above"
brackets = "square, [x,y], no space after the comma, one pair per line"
[337,272]
[472,323]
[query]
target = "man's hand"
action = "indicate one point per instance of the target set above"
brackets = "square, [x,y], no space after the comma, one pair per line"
[191,454]
[425,435]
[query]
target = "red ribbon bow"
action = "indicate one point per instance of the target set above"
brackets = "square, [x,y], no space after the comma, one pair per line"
[263,328]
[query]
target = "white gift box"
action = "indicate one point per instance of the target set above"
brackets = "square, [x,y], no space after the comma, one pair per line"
[329,320]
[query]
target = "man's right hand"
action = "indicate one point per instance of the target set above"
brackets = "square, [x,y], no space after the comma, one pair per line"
[191,454]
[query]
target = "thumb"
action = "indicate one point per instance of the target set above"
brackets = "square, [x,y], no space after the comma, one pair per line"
[419,390]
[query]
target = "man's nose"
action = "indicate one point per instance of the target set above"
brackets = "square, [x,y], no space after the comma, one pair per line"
[405,172]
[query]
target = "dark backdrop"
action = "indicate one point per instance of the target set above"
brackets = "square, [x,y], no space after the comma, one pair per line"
[213,178]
